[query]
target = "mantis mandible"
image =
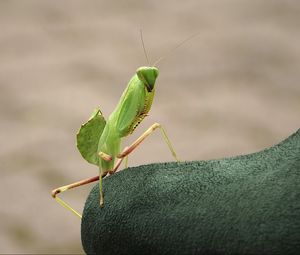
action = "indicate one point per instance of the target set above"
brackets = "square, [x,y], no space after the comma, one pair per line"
[99,141]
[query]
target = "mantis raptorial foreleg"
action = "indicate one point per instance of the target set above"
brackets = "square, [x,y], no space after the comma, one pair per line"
[105,156]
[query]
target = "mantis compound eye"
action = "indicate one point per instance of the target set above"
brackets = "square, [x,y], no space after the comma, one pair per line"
[148,76]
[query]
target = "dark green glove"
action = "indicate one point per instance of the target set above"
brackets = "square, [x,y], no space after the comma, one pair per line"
[241,205]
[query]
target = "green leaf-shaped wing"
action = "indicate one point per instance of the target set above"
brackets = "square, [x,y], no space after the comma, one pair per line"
[88,137]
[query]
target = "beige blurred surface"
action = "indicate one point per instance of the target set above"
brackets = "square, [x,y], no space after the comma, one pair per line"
[232,90]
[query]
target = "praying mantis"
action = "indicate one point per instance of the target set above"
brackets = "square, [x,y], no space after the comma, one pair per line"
[99,141]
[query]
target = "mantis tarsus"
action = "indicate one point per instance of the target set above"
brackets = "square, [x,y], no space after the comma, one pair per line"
[99,141]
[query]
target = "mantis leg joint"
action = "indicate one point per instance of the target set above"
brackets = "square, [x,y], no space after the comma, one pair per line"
[55,192]
[105,156]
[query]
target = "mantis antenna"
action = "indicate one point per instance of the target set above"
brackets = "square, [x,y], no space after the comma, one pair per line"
[144,48]
[176,47]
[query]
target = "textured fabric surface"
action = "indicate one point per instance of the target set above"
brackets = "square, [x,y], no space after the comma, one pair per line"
[241,205]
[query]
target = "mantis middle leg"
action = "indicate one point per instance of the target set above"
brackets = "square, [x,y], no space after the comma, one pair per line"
[149,131]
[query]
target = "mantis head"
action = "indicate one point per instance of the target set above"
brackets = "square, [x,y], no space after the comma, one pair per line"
[148,75]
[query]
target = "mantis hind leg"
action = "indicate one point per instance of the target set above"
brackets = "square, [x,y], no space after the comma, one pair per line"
[64,188]
[149,131]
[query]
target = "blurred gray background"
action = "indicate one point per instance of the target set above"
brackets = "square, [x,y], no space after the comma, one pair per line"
[232,90]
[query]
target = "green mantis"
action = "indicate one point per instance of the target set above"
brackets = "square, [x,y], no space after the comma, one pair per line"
[99,141]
